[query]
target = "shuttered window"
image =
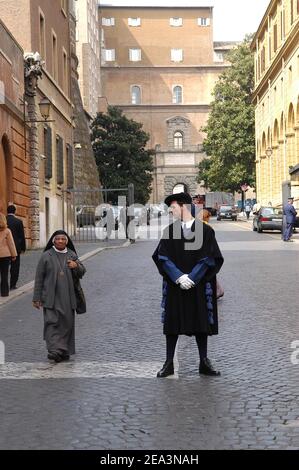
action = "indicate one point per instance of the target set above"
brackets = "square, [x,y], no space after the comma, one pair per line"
[48,152]
[275,37]
[59,160]
[70,167]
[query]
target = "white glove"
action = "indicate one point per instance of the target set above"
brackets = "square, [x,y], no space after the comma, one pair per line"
[185,282]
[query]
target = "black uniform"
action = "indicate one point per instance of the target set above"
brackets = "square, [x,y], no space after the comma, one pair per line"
[17,230]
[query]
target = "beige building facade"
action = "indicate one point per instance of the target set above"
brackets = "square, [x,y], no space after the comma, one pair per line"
[42,26]
[159,66]
[276,98]
[88,53]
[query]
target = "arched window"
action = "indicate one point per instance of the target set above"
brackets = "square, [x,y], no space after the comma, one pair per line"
[178,140]
[135,95]
[177,95]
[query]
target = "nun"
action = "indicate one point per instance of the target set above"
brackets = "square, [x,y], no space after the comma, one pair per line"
[54,292]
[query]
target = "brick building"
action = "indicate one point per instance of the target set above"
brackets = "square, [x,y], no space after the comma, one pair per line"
[14,163]
[43,26]
[160,67]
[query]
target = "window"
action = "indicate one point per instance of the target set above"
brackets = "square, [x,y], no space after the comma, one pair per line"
[218,57]
[135,95]
[64,72]
[108,21]
[59,160]
[275,37]
[48,152]
[178,140]
[176,21]
[64,6]
[263,60]
[290,75]
[70,166]
[135,55]
[177,94]
[203,21]
[176,55]
[109,55]
[298,7]
[134,21]
[42,36]
[282,25]
[54,56]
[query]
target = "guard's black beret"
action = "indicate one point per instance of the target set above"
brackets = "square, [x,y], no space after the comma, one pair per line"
[183,198]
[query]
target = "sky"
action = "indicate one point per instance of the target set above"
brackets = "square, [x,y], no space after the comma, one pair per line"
[233,19]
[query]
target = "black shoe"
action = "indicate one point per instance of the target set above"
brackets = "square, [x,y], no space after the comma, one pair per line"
[65,357]
[13,287]
[54,356]
[206,368]
[166,370]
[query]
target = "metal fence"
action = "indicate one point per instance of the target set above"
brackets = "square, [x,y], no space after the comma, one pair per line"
[84,211]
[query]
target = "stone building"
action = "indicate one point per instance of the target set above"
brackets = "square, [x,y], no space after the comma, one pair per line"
[42,26]
[85,170]
[14,163]
[276,98]
[88,53]
[160,67]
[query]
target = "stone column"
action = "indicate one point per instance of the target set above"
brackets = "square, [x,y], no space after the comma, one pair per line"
[33,71]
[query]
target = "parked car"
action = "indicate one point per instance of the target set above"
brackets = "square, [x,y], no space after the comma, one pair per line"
[227,212]
[267,218]
[86,216]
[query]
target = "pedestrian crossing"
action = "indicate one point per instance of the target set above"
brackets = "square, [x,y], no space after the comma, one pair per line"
[72,369]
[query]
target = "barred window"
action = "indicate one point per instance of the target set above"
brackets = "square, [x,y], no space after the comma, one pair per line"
[48,152]
[59,160]
[70,166]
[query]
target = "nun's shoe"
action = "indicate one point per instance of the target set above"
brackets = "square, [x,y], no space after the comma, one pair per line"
[166,370]
[54,356]
[65,357]
[206,368]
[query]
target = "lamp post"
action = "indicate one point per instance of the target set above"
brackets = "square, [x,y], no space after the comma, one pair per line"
[32,72]
[244,188]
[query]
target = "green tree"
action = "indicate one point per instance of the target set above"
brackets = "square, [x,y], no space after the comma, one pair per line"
[119,147]
[230,136]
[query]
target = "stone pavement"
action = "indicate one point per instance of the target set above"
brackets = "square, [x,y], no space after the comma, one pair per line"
[108,396]
[30,258]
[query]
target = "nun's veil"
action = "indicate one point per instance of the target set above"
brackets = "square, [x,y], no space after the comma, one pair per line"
[69,244]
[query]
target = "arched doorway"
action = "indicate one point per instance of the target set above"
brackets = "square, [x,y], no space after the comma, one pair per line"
[179,188]
[5,174]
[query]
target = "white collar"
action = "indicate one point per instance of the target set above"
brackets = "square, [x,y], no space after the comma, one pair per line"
[188,223]
[60,251]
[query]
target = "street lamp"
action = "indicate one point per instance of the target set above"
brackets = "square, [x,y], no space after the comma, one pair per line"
[44,108]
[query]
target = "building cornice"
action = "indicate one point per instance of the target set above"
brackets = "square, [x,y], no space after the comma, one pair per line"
[290,44]
[152,7]
[172,107]
[169,67]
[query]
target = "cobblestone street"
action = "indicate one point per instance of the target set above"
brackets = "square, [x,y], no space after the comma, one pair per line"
[108,396]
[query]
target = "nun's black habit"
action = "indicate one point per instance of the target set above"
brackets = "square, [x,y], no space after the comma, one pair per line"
[54,288]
